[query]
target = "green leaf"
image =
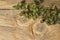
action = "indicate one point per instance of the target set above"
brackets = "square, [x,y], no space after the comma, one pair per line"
[48,14]
[59,15]
[20,14]
[18,6]
[34,17]
[26,15]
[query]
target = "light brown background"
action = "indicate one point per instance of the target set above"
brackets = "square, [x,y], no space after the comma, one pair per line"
[14,27]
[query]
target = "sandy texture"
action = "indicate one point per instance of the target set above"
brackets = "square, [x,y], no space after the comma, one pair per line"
[14,27]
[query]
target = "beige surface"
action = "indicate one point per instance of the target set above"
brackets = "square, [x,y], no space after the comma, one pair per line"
[14,27]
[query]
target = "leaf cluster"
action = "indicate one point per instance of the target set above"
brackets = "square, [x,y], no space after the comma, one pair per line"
[49,14]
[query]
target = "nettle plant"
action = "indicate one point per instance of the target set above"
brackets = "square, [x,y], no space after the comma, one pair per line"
[49,14]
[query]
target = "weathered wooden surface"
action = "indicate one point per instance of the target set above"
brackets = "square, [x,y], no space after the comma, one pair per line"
[14,27]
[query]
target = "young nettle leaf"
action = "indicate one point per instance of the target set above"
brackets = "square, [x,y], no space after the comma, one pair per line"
[34,17]
[26,7]
[49,22]
[18,6]
[53,13]
[58,15]
[54,7]
[42,12]
[22,13]
[58,18]
[34,11]
[26,15]
[34,8]
[52,20]
[40,9]
[30,15]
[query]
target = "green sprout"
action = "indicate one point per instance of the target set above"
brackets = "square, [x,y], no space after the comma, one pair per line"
[58,15]
[19,5]
[49,14]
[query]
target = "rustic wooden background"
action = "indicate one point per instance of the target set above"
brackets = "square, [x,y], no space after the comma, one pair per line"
[14,27]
